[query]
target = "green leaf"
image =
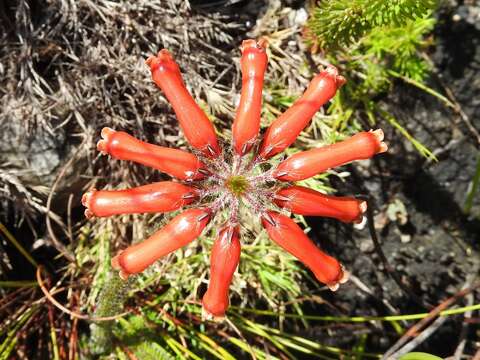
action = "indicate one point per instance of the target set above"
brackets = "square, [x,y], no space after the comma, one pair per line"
[419,356]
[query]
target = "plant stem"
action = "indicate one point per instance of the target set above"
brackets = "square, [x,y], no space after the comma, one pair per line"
[111,301]
[19,246]
[473,189]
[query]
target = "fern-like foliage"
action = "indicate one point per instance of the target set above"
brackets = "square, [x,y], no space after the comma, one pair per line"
[400,46]
[342,22]
[374,42]
[378,58]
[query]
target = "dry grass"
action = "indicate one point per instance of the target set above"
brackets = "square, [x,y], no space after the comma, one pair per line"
[68,68]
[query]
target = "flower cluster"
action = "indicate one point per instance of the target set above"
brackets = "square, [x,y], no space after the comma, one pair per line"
[236,179]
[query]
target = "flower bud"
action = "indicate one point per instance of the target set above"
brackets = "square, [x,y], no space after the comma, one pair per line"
[247,121]
[159,197]
[174,162]
[305,164]
[182,230]
[285,129]
[196,126]
[305,201]
[287,234]
[223,262]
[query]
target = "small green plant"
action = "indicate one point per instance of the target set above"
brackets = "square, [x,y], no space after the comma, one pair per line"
[339,23]
[376,42]
[419,356]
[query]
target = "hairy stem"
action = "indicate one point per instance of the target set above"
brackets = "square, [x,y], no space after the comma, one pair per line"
[111,301]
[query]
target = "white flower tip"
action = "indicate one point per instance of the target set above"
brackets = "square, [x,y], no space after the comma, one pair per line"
[360,223]
[378,134]
[383,148]
[363,207]
[345,275]
[208,316]
[343,279]
[89,214]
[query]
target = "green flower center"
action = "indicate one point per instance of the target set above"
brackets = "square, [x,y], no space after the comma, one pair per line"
[237,184]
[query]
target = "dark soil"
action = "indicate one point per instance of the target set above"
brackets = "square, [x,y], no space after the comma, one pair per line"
[433,246]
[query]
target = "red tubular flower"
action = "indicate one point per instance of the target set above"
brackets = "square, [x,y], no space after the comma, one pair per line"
[306,164]
[304,201]
[174,162]
[286,233]
[223,262]
[232,182]
[160,197]
[247,122]
[285,129]
[183,229]
[196,126]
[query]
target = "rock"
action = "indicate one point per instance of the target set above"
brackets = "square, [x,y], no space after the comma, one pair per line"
[38,151]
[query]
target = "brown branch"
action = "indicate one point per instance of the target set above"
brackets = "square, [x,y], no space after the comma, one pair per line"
[57,243]
[422,324]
